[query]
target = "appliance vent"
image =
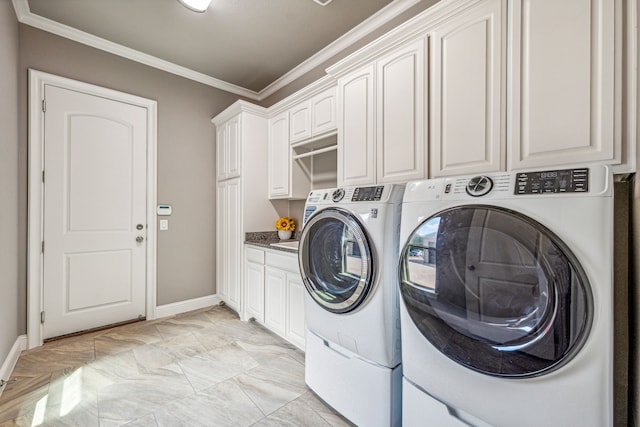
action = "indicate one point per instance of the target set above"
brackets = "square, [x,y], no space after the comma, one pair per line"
[323,2]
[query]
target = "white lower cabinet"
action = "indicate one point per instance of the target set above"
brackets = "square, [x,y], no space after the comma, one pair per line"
[275,293]
[275,282]
[295,330]
[254,283]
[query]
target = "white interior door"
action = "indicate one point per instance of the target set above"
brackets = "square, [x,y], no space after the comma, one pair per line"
[95,195]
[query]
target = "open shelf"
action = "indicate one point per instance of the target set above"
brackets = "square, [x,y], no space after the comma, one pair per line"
[317,159]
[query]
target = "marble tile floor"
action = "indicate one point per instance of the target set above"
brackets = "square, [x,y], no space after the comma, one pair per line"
[202,368]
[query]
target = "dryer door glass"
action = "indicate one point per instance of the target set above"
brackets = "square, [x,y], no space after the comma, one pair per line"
[495,291]
[336,260]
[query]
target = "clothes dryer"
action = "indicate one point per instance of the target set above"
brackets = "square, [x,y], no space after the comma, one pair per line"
[506,285]
[348,257]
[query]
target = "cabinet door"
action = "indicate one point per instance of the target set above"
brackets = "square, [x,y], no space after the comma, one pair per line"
[356,127]
[561,87]
[221,152]
[299,122]
[222,284]
[467,91]
[274,299]
[233,147]
[279,152]
[254,281]
[323,112]
[295,310]
[232,243]
[400,118]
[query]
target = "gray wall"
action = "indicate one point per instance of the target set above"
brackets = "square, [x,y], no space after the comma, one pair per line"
[186,149]
[9,285]
[186,153]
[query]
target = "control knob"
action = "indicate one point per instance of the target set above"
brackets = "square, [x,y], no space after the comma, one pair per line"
[479,186]
[337,195]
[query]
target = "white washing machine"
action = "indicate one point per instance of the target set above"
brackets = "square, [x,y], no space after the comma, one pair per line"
[348,257]
[506,284]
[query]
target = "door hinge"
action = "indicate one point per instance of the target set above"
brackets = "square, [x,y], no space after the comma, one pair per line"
[43,176]
[42,317]
[44,106]
[43,246]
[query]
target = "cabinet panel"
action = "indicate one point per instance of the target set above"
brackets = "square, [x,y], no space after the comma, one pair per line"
[233,147]
[401,146]
[323,112]
[275,299]
[356,156]
[295,310]
[299,122]
[222,284]
[279,152]
[561,91]
[228,149]
[233,241]
[221,153]
[254,280]
[467,125]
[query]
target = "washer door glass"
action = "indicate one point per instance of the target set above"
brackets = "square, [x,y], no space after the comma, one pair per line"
[336,260]
[495,291]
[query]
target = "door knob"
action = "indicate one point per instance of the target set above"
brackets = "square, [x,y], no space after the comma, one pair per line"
[139,239]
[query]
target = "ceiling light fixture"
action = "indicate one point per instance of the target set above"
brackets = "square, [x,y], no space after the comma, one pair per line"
[322,2]
[196,5]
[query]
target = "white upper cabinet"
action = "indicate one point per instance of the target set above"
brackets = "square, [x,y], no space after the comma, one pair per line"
[313,117]
[356,128]
[323,112]
[279,152]
[401,148]
[228,149]
[300,122]
[381,119]
[467,91]
[562,60]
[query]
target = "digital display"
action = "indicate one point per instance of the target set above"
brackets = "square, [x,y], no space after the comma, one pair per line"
[367,194]
[558,181]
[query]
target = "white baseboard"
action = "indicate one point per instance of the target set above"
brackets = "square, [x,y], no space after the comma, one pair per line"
[184,306]
[12,358]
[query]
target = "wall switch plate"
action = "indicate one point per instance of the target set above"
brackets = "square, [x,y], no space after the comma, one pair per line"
[164,224]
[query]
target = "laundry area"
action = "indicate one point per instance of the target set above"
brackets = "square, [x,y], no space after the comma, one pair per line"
[373,213]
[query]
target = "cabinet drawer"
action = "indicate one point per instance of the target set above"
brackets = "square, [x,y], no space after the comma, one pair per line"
[254,255]
[282,261]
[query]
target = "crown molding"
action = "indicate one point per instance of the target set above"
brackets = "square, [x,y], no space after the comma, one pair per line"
[238,107]
[371,24]
[25,16]
[396,7]
[415,27]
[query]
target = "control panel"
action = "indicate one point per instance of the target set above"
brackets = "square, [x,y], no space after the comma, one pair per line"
[555,181]
[367,194]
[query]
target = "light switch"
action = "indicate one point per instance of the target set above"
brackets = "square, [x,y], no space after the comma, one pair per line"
[164,224]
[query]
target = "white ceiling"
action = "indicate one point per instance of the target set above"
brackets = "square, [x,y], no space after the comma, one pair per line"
[248,47]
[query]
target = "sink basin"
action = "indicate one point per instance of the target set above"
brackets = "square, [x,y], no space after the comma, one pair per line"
[287,245]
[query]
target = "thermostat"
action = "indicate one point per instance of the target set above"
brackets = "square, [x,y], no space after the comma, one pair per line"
[164,210]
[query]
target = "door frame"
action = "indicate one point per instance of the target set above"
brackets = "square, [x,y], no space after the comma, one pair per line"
[35,230]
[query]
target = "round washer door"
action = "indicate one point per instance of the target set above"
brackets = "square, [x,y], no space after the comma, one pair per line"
[495,291]
[336,260]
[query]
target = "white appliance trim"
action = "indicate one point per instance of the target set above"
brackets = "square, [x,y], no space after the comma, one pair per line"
[12,358]
[37,81]
[393,9]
